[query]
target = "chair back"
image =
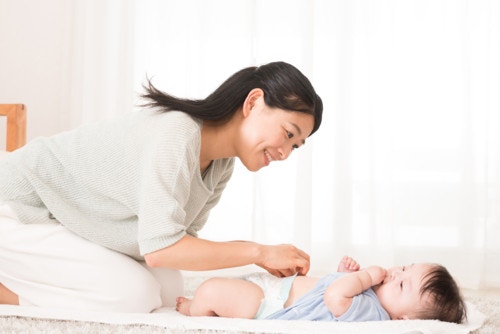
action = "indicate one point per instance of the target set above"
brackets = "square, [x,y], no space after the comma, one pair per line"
[16,125]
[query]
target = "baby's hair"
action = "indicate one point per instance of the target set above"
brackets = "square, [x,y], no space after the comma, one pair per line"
[447,302]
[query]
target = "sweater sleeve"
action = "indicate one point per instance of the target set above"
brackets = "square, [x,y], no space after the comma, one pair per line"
[167,171]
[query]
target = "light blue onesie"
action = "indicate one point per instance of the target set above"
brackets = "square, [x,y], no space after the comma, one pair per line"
[311,306]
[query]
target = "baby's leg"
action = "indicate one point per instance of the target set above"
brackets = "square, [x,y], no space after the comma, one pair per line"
[347,265]
[223,297]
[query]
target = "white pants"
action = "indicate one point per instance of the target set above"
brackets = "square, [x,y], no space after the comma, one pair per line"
[48,266]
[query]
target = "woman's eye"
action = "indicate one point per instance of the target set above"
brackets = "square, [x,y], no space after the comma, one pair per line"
[289,134]
[401,285]
[294,147]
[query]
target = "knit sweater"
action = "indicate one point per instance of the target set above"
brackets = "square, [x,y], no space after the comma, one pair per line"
[132,185]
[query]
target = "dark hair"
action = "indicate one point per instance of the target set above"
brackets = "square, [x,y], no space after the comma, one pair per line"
[284,87]
[447,302]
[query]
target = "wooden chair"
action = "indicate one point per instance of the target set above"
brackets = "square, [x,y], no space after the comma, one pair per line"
[16,125]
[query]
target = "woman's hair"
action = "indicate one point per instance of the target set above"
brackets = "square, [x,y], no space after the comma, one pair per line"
[446,300]
[284,87]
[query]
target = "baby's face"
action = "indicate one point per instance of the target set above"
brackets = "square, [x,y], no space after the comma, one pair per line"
[399,293]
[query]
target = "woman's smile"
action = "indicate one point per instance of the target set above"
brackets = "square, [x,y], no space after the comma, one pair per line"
[269,157]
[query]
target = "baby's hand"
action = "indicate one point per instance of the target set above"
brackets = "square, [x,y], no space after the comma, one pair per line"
[377,274]
[348,265]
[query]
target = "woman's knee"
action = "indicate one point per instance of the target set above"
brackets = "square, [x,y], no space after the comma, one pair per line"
[138,293]
[171,284]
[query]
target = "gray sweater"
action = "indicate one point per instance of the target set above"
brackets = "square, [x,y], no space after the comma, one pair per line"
[132,184]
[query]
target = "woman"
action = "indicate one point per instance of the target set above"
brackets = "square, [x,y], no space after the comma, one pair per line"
[81,211]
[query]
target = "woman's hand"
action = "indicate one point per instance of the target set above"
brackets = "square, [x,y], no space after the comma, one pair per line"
[284,260]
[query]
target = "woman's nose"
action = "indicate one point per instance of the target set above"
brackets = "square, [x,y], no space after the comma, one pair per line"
[283,153]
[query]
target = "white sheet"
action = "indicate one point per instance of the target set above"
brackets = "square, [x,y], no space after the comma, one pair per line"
[170,319]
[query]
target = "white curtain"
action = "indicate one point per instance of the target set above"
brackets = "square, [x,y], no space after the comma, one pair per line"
[68,61]
[97,62]
[406,165]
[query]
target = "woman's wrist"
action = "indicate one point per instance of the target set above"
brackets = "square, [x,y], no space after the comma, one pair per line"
[256,252]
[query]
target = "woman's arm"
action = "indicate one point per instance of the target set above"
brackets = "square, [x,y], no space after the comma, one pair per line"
[339,294]
[191,253]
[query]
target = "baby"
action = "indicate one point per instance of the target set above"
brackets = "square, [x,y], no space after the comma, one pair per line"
[416,291]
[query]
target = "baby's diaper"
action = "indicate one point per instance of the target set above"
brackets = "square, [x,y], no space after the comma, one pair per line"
[276,291]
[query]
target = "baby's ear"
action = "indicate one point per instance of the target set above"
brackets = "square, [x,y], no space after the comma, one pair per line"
[404,317]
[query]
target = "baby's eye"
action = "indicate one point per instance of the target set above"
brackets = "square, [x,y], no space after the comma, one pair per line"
[401,285]
[403,268]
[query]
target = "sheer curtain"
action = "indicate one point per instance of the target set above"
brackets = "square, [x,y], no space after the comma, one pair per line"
[97,60]
[406,165]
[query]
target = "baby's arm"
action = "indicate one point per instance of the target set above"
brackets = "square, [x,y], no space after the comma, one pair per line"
[339,294]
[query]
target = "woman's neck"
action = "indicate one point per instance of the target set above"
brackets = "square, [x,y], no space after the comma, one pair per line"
[217,142]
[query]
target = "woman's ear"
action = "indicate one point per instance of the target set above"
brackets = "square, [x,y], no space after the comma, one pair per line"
[251,100]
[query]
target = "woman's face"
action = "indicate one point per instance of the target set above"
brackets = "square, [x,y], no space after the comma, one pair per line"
[271,134]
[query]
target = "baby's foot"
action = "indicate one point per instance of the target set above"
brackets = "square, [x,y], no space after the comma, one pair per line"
[183,305]
[348,265]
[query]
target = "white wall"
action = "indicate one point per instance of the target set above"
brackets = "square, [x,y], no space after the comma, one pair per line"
[32,50]
[68,61]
